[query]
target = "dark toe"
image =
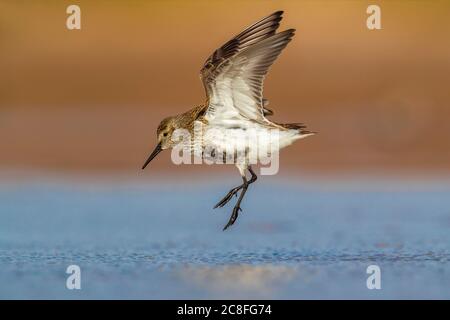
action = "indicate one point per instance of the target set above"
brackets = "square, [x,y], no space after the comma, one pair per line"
[226,199]
[233,217]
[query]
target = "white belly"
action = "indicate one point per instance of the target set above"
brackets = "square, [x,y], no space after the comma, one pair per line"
[254,140]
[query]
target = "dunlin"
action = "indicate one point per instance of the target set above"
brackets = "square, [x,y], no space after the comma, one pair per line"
[233,79]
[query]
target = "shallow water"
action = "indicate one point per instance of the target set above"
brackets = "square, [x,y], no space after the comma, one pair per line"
[291,241]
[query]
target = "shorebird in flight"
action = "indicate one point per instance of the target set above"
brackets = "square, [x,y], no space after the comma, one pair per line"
[233,79]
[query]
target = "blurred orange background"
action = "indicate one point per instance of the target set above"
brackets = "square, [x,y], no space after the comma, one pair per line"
[91,99]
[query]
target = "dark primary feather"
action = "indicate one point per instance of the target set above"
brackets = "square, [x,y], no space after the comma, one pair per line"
[236,71]
[256,32]
[253,34]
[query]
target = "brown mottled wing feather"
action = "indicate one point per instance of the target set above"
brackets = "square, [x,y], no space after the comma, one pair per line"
[233,75]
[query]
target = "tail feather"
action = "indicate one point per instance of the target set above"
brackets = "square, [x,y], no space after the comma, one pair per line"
[301,127]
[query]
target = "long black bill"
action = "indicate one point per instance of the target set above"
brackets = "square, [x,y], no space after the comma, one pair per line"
[155,152]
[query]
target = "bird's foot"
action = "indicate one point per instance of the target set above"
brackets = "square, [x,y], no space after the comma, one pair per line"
[227,198]
[233,216]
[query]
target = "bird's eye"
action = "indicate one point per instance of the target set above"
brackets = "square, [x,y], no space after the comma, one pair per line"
[165,134]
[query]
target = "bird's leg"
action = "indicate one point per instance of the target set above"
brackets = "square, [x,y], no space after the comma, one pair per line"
[237,207]
[254,176]
[235,190]
[228,197]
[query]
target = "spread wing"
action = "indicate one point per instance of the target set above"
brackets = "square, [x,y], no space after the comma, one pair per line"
[233,75]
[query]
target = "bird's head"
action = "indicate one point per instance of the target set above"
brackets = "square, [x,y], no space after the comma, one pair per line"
[164,137]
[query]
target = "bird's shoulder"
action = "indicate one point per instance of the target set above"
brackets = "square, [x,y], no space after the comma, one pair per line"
[188,118]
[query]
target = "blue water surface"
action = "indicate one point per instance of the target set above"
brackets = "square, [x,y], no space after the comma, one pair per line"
[293,240]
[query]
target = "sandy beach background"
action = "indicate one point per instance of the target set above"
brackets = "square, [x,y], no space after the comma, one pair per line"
[91,99]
